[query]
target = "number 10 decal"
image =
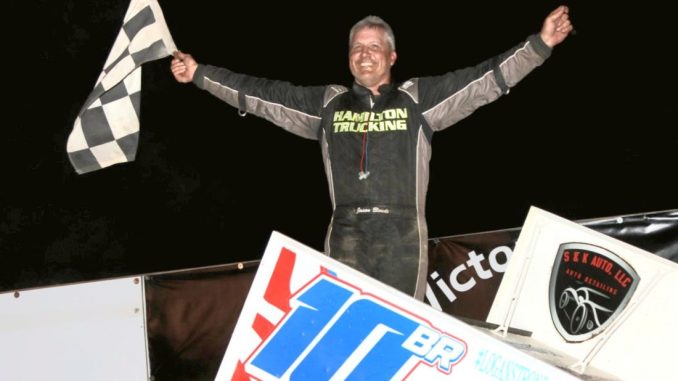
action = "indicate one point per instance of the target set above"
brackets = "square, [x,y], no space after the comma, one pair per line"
[335,333]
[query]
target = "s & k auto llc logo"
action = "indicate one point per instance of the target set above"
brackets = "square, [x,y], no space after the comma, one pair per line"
[589,287]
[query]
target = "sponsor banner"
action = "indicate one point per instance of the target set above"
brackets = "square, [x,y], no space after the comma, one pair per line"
[308,317]
[465,270]
[190,316]
[608,304]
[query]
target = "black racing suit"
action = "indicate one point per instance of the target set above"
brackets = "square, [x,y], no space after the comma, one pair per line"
[376,150]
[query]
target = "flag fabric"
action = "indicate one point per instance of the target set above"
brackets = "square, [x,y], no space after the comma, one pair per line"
[106,131]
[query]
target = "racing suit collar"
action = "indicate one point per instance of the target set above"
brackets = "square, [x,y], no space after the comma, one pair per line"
[361,90]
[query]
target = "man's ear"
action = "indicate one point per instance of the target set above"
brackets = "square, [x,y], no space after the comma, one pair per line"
[394,56]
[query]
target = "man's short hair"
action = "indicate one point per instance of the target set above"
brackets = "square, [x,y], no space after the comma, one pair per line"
[373,22]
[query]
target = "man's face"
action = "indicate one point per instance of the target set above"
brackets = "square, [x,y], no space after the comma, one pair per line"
[370,58]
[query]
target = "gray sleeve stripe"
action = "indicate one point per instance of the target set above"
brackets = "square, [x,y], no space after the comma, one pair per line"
[273,104]
[235,102]
[509,81]
[448,99]
[482,90]
[479,79]
[222,92]
[515,53]
[294,121]
[520,63]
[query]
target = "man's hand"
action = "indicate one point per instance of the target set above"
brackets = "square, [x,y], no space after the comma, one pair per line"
[183,67]
[557,26]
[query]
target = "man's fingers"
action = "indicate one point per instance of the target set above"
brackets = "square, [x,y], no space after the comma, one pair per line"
[182,57]
[558,12]
[566,28]
[563,23]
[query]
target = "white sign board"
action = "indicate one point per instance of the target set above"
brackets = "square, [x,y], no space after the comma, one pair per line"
[86,331]
[608,304]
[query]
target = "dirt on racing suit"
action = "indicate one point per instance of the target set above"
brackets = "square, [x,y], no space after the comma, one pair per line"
[376,150]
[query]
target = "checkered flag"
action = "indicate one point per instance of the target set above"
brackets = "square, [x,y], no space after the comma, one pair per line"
[106,130]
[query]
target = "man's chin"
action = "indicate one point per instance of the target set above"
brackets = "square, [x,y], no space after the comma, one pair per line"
[366,82]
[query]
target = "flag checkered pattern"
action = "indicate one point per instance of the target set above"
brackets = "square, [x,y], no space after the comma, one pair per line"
[106,130]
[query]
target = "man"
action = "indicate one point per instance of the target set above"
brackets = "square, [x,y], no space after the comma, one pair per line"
[375,137]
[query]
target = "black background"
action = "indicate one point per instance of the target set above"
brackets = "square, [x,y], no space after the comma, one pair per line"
[589,134]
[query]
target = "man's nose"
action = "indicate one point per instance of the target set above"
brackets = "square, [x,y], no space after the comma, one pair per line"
[364,51]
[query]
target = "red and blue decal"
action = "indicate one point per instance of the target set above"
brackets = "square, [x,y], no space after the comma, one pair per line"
[332,330]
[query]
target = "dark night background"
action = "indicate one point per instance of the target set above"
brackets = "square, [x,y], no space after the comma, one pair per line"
[589,134]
